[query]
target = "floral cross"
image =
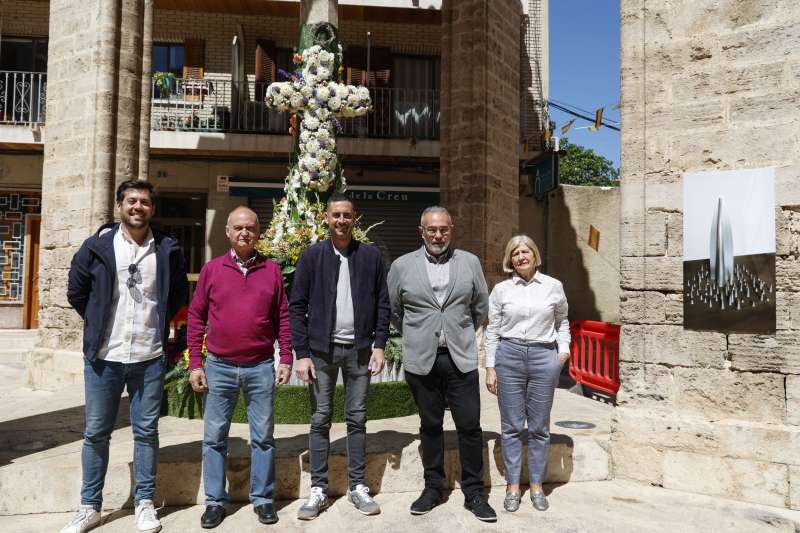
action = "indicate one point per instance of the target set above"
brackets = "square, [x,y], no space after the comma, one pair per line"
[312,93]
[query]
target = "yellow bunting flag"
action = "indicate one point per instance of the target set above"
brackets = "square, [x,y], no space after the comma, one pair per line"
[598,120]
[594,238]
[565,128]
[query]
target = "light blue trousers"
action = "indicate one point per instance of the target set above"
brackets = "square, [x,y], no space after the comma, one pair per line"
[257,383]
[527,376]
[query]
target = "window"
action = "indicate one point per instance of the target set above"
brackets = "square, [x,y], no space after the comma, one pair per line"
[23,54]
[415,96]
[416,72]
[168,57]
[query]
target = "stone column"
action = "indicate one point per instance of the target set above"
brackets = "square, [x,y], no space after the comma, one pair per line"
[705,87]
[480,99]
[146,90]
[93,109]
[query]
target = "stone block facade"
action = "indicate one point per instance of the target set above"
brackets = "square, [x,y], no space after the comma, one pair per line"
[480,127]
[93,71]
[706,85]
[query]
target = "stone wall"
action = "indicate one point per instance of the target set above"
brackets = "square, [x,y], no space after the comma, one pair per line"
[92,72]
[706,84]
[480,124]
[560,228]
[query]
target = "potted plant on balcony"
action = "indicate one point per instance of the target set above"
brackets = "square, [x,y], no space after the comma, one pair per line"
[165,82]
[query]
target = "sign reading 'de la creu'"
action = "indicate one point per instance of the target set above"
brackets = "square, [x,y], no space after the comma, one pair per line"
[242,186]
[391,196]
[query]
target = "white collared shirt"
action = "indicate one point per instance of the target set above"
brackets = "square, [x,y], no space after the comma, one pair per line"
[439,276]
[527,311]
[133,331]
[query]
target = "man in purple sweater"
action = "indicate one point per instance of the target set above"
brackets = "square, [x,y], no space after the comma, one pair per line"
[240,305]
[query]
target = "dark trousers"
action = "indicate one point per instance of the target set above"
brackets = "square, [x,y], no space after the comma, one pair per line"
[463,397]
[355,374]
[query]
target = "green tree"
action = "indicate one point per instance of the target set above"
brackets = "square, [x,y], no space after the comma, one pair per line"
[582,166]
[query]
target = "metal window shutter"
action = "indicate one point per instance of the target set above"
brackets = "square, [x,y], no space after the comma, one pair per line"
[396,236]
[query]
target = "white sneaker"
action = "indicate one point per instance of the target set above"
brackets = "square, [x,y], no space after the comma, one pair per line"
[146,517]
[85,519]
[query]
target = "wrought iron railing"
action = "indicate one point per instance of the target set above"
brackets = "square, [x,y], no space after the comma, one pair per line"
[23,97]
[226,106]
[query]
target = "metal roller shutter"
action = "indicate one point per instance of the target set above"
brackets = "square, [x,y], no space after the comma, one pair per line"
[397,234]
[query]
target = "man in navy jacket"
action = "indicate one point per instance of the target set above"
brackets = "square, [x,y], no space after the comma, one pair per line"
[126,282]
[339,314]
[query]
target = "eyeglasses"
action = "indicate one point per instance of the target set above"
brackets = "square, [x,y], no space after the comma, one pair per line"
[432,230]
[134,276]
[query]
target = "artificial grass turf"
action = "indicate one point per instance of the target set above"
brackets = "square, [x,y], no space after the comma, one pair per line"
[389,399]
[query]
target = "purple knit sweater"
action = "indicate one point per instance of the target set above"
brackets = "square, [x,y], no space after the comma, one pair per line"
[244,314]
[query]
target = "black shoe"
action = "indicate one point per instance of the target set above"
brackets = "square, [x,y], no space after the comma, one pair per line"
[429,499]
[212,517]
[266,513]
[480,508]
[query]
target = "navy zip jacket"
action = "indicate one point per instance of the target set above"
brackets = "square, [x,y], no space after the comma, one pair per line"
[312,306]
[92,276]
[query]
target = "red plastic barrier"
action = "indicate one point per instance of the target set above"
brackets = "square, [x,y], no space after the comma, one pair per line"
[594,355]
[178,320]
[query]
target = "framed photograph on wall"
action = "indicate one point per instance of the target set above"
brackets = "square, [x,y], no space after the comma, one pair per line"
[729,251]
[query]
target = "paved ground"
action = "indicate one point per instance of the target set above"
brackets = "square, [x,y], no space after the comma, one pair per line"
[609,506]
[36,423]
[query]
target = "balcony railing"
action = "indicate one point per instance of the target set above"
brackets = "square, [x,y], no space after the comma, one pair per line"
[23,97]
[224,106]
[227,107]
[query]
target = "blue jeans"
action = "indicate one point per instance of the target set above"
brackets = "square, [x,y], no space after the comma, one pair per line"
[104,382]
[257,382]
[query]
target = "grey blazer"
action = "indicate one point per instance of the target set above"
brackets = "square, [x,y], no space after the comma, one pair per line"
[418,315]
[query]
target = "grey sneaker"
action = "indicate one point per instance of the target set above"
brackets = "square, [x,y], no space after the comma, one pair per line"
[512,501]
[361,499]
[316,502]
[539,501]
[85,519]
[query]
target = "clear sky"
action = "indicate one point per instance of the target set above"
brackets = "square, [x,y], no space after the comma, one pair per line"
[584,68]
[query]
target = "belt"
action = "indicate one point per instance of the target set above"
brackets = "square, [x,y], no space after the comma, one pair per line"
[529,344]
[344,344]
[228,362]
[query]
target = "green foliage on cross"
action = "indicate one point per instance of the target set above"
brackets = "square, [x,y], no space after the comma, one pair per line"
[582,166]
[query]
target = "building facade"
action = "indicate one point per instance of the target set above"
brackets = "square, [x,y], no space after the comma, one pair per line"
[92,93]
[706,85]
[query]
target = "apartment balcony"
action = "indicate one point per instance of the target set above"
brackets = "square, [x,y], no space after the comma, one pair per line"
[219,115]
[23,98]
[222,117]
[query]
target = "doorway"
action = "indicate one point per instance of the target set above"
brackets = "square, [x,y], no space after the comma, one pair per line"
[183,215]
[30,307]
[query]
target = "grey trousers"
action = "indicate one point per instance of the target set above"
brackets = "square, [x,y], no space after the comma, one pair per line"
[526,380]
[356,376]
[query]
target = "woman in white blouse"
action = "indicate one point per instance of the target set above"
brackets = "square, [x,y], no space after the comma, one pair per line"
[527,342]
